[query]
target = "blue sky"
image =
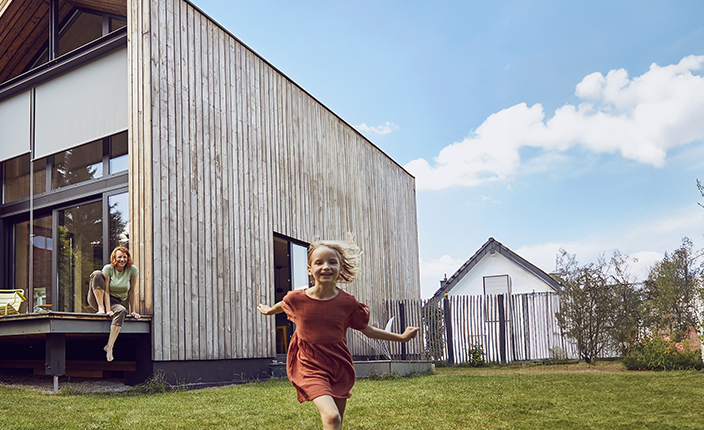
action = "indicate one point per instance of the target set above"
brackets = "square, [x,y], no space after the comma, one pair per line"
[543,124]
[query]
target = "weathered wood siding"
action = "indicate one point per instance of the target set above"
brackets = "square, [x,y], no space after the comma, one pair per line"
[225,151]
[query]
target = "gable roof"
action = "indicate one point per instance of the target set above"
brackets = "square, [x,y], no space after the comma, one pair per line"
[490,247]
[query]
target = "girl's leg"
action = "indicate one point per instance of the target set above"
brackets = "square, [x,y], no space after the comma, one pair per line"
[329,413]
[341,405]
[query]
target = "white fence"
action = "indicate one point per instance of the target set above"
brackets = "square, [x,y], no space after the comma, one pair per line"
[520,327]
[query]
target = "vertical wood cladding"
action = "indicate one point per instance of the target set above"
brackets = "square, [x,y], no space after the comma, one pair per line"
[226,151]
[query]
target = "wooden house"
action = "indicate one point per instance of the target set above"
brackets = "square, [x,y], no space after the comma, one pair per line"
[146,123]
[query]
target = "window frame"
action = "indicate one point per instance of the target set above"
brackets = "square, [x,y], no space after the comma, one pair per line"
[49,203]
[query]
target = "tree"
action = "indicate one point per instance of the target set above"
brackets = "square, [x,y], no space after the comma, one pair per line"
[600,306]
[672,289]
[434,321]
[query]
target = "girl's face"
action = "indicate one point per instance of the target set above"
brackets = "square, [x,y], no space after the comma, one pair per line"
[121,259]
[324,266]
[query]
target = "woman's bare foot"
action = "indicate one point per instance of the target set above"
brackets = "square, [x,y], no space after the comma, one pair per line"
[108,354]
[101,312]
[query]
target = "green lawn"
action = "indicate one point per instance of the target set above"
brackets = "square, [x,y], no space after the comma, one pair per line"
[530,397]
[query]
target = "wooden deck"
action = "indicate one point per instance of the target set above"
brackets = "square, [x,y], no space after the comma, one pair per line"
[67,323]
[53,329]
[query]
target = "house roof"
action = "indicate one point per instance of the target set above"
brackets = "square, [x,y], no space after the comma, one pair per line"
[490,247]
[24,28]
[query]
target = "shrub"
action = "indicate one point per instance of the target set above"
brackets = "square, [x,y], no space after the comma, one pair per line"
[657,353]
[475,358]
[157,384]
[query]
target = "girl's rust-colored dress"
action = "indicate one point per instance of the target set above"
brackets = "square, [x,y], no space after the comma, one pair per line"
[318,361]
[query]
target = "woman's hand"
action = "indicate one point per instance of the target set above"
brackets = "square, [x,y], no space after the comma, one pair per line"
[264,309]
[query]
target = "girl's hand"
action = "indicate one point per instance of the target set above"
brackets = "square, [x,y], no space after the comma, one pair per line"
[264,309]
[409,333]
[110,313]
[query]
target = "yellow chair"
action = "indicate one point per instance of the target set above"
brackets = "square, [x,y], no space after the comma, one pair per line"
[282,338]
[10,301]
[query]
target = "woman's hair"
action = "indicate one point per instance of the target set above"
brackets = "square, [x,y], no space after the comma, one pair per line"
[113,256]
[347,251]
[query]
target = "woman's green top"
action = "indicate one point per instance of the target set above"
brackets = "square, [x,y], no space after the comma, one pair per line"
[120,281]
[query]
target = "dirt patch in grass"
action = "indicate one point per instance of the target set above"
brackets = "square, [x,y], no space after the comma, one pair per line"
[25,379]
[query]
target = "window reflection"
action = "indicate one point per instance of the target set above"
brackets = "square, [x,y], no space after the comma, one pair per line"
[41,253]
[81,29]
[117,23]
[80,233]
[78,164]
[16,178]
[119,210]
[118,153]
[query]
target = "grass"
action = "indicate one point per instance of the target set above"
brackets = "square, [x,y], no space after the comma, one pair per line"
[571,396]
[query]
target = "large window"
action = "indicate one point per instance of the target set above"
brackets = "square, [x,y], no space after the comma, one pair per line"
[16,178]
[79,234]
[40,250]
[81,28]
[55,237]
[74,166]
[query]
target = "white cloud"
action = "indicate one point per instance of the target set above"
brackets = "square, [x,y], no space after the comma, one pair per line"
[432,271]
[646,240]
[385,128]
[641,118]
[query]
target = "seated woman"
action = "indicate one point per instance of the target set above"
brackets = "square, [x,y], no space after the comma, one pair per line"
[112,286]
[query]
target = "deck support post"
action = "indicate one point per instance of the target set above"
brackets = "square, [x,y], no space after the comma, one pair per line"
[55,354]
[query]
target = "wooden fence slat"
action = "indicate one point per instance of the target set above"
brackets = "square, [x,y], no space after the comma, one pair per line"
[532,332]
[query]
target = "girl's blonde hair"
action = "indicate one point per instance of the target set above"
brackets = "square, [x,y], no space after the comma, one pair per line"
[347,251]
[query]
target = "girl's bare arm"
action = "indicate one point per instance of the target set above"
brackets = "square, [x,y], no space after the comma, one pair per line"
[270,310]
[377,333]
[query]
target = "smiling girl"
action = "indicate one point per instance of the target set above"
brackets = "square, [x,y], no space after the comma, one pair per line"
[319,364]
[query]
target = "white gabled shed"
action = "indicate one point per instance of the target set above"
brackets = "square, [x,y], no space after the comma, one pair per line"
[495,269]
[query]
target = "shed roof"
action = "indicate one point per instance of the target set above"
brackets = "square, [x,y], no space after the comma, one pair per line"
[490,247]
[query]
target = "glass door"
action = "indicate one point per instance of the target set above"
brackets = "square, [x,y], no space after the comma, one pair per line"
[291,264]
[33,250]
[80,252]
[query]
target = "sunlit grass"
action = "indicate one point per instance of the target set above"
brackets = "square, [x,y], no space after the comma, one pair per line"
[528,397]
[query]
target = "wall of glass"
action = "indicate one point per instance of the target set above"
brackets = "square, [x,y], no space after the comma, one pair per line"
[40,249]
[16,178]
[52,255]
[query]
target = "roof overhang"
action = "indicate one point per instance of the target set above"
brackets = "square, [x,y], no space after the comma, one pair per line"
[24,28]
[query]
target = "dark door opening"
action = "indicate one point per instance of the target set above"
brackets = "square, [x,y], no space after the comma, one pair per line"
[291,273]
